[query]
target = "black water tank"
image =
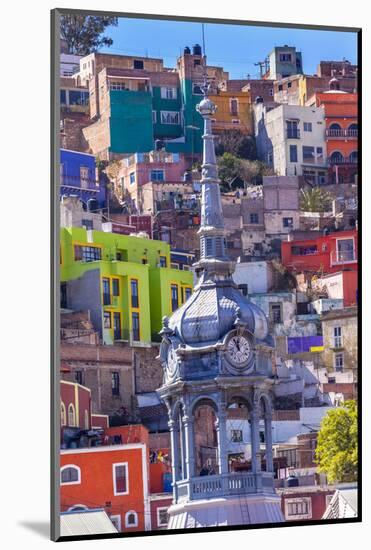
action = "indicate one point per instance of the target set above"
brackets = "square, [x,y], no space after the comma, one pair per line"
[93,205]
[197,49]
[186,50]
[259,99]
[187,176]
[159,145]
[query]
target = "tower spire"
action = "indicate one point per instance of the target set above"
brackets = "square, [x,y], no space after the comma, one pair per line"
[213,257]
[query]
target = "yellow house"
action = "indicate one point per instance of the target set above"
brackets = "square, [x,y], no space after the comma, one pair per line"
[233,112]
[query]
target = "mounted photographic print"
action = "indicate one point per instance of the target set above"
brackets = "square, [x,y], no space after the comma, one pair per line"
[205,274]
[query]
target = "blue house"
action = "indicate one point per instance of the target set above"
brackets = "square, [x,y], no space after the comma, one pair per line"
[78,177]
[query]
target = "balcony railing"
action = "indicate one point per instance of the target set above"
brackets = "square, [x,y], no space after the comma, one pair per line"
[340,133]
[342,160]
[293,134]
[79,182]
[202,487]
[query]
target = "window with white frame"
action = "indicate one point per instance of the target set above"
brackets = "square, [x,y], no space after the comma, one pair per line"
[162,517]
[157,175]
[307,126]
[168,92]
[339,362]
[84,176]
[131,519]
[120,479]
[118,85]
[63,415]
[70,475]
[71,415]
[132,178]
[170,117]
[116,520]
[338,340]
[298,508]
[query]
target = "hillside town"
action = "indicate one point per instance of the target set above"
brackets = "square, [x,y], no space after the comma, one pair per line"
[162,169]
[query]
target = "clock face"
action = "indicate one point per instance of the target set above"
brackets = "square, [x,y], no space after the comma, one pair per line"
[239,350]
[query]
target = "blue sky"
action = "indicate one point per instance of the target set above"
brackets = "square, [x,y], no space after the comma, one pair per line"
[235,47]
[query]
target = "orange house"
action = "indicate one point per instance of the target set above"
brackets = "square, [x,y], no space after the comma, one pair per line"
[341,117]
[113,477]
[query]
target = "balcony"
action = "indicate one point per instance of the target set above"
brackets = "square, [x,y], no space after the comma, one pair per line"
[341,134]
[79,183]
[293,133]
[214,486]
[339,257]
[340,160]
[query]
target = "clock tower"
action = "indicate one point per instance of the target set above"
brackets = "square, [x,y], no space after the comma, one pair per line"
[216,354]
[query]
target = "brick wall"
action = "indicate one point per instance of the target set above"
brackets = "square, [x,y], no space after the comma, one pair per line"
[148,370]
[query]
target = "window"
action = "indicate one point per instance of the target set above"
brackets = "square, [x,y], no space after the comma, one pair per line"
[197,89]
[345,250]
[170,117]
[271,92]
[157,175]
[174,297]
[275,313]
[319,151]
[63,295]
[118,86]
[288,222]
[338,340]
[87,253]
[236,436]
[307,126]
[293,153]
[71,415]
[196,62]
[168,93]
[107,320]
[285,57]
[84,177]
[162,517]
[308,152]
[298,507]
[86,420]
[116,520]
[131,519]
[134,293]
[289,84]
[132,178]
[292,129]
[154,117]
[115,383]
[163,262]
[188,292]
[338,362]
[70,475]
[79,377]
[280,87]
[254,217]
[117,325]
[63,97]
[135,326]
[138,64]
[116,287]
[234,106]
[120,479]
[63,415]
[144,261]
[106,291]
[235,121]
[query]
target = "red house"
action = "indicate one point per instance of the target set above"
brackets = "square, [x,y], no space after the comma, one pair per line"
[305,503]
[322,255]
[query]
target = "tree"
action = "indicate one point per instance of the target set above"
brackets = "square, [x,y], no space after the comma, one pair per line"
[315,200]
[84,34]
[229,167]
[337,444]
[248,171]
[236,143]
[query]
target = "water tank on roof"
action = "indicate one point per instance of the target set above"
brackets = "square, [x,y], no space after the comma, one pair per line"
[159,145]
[93,205]
[197,49]
[186,50]
[259,99]
[292,481]
[187,176]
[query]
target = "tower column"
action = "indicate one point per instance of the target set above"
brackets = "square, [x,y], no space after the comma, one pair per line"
[268,443]
[255,442]
[221,431]
[188,424]
[174,438]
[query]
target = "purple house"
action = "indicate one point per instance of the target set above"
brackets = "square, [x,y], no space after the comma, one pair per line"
[78,177]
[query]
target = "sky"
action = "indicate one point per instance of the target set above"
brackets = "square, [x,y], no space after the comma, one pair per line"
[235,47]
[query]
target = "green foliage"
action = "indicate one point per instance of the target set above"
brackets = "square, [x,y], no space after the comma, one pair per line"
[236,143]
[337,445]
[249,171]
[315,200]
[84,34]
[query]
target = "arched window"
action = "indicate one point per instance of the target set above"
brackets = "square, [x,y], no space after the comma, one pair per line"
[86,420]
[131,519]
[336,157]
[77,507]
[63,414]
[353,157]
[353,130]
[335,126]
[70,475]
[71,415]
[334,129]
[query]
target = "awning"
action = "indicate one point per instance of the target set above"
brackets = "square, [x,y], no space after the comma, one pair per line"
[86,522]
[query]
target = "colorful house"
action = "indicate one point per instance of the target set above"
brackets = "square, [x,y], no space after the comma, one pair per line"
[233,112]
[126,283]
[321,255]
[78,177]
[341,117]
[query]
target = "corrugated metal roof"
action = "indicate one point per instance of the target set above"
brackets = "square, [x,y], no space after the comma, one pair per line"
[86,522]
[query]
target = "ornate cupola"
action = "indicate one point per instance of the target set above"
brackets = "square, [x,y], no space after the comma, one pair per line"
[216,355]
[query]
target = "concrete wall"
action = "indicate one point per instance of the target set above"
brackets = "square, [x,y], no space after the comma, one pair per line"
[84,293]
[257,275]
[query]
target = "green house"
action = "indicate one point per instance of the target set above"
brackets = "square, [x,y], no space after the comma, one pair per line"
[125,282]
